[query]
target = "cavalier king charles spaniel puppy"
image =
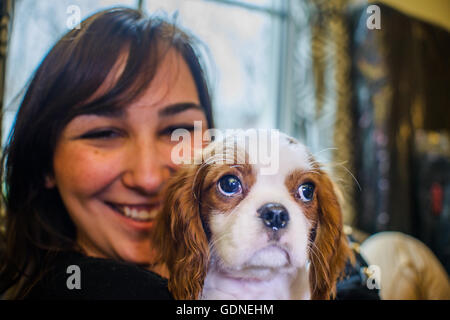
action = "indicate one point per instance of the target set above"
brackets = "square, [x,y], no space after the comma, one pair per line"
[229,230]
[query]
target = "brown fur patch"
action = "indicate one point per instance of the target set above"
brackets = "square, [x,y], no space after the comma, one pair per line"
[212,199]
[293,181]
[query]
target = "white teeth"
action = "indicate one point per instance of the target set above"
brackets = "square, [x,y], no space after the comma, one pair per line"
[140,214]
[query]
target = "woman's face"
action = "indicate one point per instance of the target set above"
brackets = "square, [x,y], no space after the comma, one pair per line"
[109,170]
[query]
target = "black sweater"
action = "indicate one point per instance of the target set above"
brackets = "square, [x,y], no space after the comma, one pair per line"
[99,279]
[116,280]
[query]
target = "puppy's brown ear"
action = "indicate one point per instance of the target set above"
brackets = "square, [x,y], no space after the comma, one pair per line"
[329,251]
[179,236]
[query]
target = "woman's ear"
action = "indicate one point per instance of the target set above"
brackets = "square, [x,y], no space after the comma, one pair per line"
[179,236]
[331,250]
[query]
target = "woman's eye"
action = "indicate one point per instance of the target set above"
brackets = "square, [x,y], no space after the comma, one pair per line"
[170,129]
[306,192]
[102,134]
[229,185]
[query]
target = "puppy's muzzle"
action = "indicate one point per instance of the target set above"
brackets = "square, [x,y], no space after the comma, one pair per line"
[274,216]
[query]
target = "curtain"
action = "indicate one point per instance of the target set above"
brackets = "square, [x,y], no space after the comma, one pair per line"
[401,76]
[321,105]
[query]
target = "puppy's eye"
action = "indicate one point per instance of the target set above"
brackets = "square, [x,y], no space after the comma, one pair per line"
[229,185]
[306,191]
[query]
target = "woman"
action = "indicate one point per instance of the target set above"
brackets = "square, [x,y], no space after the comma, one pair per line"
[88,155]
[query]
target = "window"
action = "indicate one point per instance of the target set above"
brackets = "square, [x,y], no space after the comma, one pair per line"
[243,37]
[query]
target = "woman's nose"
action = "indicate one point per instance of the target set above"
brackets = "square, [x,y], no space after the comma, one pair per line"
[145,170]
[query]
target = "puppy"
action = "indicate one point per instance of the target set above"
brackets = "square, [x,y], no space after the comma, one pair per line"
[230,230]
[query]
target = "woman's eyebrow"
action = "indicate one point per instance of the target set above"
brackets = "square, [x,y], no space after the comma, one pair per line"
[172,109]
[107,112]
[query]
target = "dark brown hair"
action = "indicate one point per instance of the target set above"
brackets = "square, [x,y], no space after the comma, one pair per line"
[36,224]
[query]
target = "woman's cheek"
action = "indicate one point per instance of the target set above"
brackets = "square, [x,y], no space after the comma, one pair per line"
[171,153]
[86,168]
[174,153]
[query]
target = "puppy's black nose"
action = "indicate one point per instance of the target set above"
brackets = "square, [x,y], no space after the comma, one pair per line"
[274,215]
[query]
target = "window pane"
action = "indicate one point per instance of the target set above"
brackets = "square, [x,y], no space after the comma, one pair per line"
[244,47]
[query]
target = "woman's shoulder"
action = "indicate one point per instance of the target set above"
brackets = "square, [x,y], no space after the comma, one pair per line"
[75,276]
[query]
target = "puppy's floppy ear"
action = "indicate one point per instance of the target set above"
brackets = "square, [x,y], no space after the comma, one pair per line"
[331,250]
[179,236]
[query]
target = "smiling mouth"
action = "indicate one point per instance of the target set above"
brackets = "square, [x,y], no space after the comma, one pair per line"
[141,213]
